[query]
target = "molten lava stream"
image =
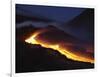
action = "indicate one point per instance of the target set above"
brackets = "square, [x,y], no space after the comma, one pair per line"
[64,52]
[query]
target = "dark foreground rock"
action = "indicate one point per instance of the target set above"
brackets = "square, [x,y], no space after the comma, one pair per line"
[34,58]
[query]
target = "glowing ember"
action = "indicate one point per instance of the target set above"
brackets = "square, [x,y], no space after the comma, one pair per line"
[57,47]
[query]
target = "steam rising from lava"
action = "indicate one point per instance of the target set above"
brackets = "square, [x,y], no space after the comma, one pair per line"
[37,38]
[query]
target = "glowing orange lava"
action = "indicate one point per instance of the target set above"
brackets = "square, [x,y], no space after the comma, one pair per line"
[57,47]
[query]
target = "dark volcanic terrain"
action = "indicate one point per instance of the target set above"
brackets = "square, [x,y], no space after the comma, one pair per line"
[33,58]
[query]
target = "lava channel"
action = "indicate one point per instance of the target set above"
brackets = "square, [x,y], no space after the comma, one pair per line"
[64,51]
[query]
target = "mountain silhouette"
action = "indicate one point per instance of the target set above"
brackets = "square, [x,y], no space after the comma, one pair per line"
[82,26]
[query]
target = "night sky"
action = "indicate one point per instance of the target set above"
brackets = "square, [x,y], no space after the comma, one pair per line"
[61,14]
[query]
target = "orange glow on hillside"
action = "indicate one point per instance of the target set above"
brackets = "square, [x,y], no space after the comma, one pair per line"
[57,47]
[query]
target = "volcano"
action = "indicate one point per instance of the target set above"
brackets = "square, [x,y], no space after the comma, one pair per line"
[53,38]
[42,54]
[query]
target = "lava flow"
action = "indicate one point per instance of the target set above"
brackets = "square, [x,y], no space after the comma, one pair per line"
[64,51]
